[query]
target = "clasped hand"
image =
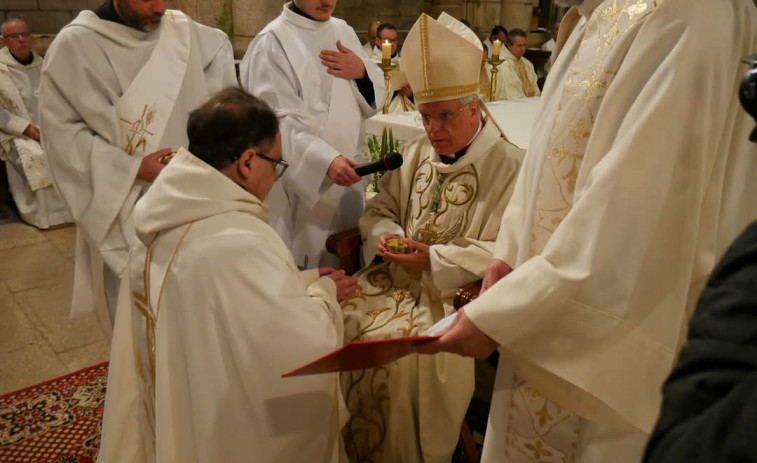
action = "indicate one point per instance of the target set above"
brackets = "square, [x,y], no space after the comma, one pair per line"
[345,284]
[418,259]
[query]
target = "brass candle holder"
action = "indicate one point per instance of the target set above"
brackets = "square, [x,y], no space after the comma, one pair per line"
[388,67]
[495,62]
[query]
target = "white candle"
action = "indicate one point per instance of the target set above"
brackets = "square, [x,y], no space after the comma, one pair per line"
[496,47]
[386,50]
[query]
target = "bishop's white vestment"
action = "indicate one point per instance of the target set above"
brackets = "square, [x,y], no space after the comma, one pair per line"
[411,410]
[321,117]
[28,176]
[638,175]
[212,311]
[109,95]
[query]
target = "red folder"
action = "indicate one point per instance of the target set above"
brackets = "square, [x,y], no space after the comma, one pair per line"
[359,355]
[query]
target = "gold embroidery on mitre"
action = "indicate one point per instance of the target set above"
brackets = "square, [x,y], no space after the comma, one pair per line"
[456,90]
[425,51]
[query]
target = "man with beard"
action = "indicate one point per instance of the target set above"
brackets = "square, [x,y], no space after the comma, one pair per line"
[117,87]
[637,177]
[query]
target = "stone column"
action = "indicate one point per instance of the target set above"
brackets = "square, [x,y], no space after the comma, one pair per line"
[250,17]
[483,15]
[516,14]
[454,8]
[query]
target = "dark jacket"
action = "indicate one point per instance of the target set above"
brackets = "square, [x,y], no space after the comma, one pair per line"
[709,410]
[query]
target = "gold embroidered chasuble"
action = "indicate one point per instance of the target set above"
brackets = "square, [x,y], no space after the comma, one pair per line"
[412,409]
[616,220]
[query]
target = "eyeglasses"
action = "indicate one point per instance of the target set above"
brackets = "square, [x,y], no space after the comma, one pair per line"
[18,35]
[442,118]
[280,165]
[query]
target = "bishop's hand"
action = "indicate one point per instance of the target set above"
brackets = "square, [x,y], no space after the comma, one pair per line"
[418,259]
[343,63]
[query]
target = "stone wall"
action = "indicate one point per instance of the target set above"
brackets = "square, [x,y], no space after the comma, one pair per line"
[44,16]
[243,19]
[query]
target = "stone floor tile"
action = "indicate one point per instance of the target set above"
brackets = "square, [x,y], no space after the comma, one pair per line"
[15,328]
[63,238]
[85,356]
[13,235]
[35,265]
[48,309]
[29,365]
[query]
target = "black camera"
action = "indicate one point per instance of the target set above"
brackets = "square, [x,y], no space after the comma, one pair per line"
[748,92]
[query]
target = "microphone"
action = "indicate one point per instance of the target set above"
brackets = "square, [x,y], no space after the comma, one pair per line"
[390,161]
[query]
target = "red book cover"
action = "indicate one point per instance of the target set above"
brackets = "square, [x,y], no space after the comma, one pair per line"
[359,355]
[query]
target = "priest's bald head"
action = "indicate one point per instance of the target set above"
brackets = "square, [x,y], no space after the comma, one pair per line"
[442,61]
[319,10]
[144,15]
[238,134]
[16,36]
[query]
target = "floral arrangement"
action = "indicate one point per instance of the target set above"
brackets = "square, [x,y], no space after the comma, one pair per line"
[377,150]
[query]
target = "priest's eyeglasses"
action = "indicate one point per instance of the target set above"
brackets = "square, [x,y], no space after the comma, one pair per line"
[443,118]
[280,165]
[18,35]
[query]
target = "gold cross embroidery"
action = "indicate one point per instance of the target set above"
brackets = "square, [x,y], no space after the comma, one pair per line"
[138,130]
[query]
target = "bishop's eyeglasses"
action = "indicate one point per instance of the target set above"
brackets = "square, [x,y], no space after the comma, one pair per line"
[443,118]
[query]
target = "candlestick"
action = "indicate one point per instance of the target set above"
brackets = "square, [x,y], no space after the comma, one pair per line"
[388,67]
[495,62]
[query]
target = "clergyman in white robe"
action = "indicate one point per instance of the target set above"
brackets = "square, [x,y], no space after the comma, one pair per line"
[211,313]
[638,175]
[517,77]
[28,176]
[321,118]
[111,94]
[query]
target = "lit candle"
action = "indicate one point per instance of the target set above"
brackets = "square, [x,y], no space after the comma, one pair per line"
[496,47]
[386,50]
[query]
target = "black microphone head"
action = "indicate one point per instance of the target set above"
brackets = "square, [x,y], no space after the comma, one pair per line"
[392,161]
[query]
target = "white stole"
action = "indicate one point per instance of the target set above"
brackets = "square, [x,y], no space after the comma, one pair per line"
[146,106]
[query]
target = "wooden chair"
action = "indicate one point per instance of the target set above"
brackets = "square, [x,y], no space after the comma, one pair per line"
[346,245]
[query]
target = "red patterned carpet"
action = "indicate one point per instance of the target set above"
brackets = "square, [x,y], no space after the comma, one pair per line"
[57,421]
